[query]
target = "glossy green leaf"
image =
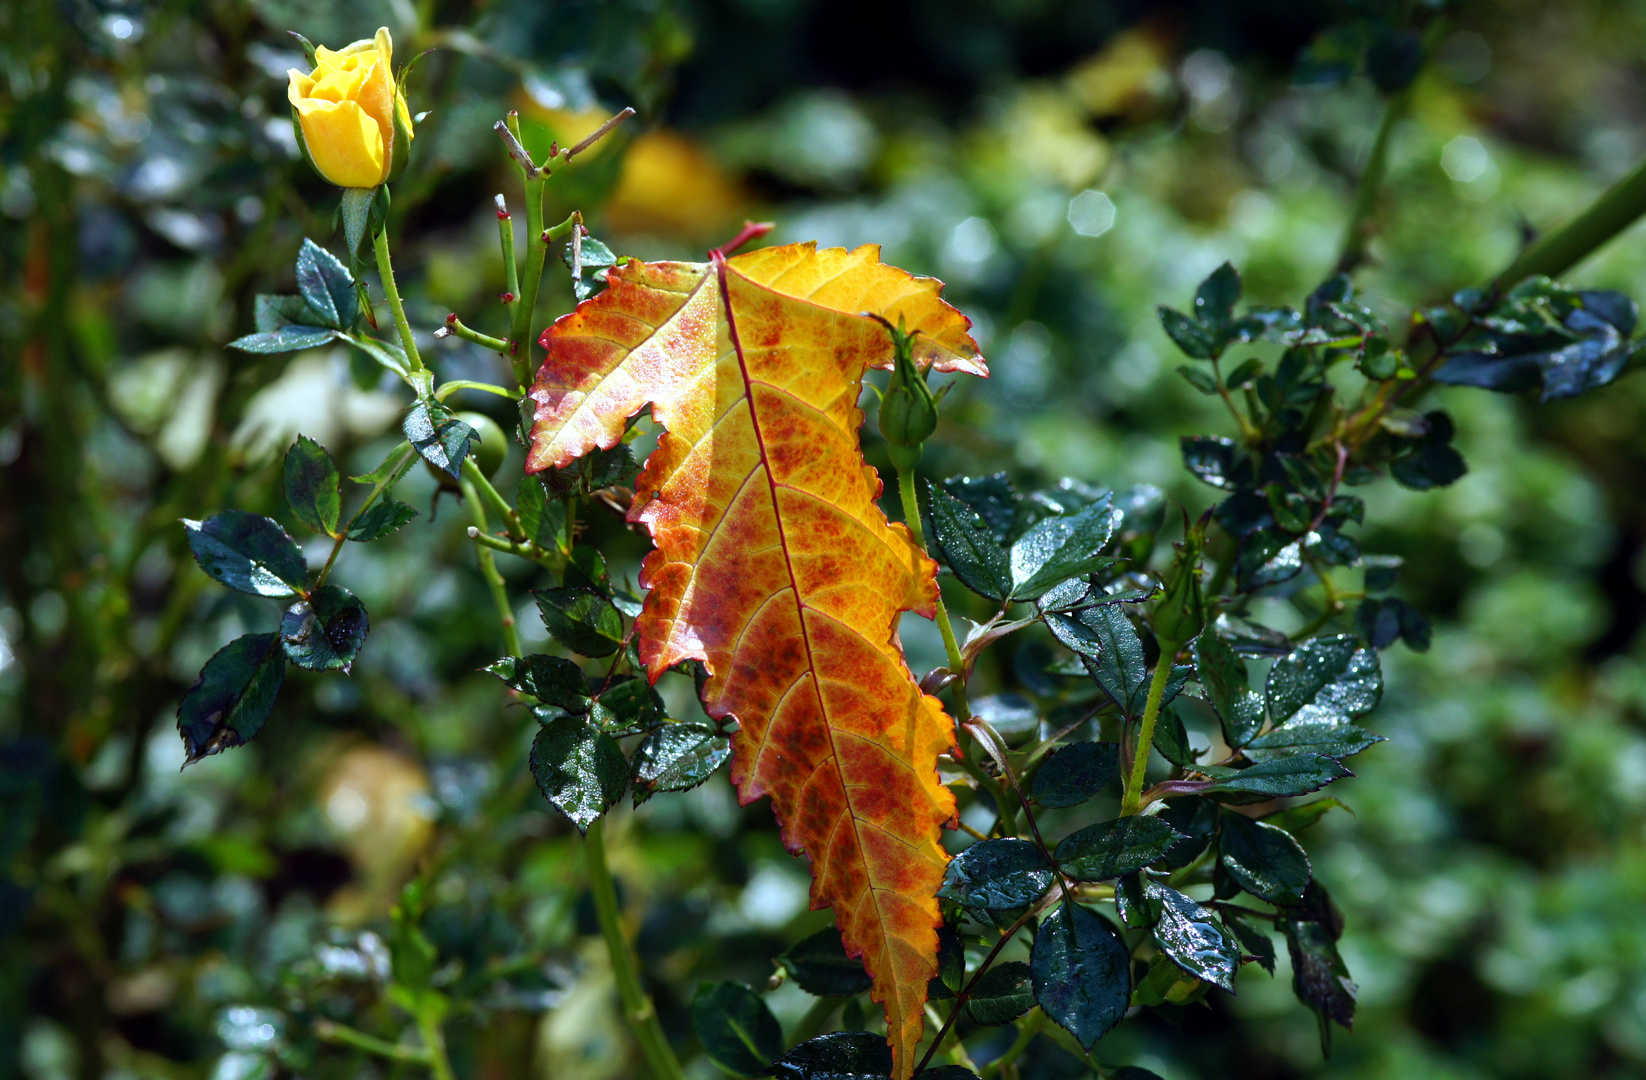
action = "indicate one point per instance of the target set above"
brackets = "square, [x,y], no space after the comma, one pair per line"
[628,705]
[247,552]
[844,1055]
[1320,978]
[1075,773]
[327,286]
[951,964]
[1138,908]
[1327,679]
[1001,994]
[969,547]
[232,697]
[1188,334]
[553,680]
[312,485]
[735,1028]
[1195,818]
[819,965]
[1281,777]
[1216,297]
[676,757]
[1199,378]
[1214,461]
[325,632]
[1171,738]
[1063,547]
[579,769]
[1194,937]
[271,313]
[1118,665]
[1082,972]
[379,520]
[1331,740]
[442,439]
[992,498]
[997,874]
[1254,940]
[582,620]
[1109,849]
[1263,860]
[385,353]
[285,339]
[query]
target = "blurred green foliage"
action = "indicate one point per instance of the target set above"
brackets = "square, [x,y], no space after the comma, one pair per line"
[1064,166]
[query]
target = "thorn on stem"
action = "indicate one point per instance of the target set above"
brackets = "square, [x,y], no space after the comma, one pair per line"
[506,297]
[451,320]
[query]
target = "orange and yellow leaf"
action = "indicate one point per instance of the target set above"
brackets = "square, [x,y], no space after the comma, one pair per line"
[774,564]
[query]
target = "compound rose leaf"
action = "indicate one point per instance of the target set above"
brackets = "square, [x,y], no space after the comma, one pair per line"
[774,564]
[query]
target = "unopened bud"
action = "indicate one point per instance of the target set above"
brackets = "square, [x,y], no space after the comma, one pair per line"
[506,297]
[908,411]
[451,320]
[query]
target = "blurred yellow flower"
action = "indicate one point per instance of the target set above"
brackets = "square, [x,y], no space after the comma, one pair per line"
[352,119]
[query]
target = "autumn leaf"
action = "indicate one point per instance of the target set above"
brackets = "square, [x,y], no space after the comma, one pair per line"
[774,564]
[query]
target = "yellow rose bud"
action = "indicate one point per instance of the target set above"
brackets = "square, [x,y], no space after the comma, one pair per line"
[351,117]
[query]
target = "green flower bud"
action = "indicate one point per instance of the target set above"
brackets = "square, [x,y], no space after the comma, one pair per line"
[493,446]
[908,411]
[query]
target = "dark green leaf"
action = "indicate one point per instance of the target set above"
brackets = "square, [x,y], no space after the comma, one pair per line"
[1199,378]
[285,339]
[1138,908]
[1189,335]
[1296,818]
[1217,462]
[1320,979]
[582,620]
[1171,740]
[1245,372]
[992,498]
[1133,1072]
[1430,467]
[1254,940]
[1060,548]
[553,680]
[228,704]
[1394,58]
[579,769]
[1001,994]
[820,966]
[628,705]
[844,1055]
[676,757]
[1263,860]
[1325,679]
[249,553]
[356,208]
[1216,297]
[1239,708]
[946,1072]
[1118,666]
[1267,557]
[968,546]
[1298,774]
[271,313]
[951,964]
[380,519]
[325,632]
[442,439]
[1312,737]
[312,486]
[1112,848]
[1081,969]
[326,285]
[543,519]
[1195,818]
[1164,983]
[1194,937]
[735,1028]
[997,874]
[1075,773]
[594,471]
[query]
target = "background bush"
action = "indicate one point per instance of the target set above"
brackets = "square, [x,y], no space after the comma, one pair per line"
[1064,166]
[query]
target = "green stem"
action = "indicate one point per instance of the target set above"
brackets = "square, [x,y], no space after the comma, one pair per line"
[957,664]
[457,328]
[637,1007]
[488,566]
[1358,232]
[525,302]
[343,1035]
[434,1039]
[1556,252]
[1027,1029]
[1133,800]
[407,456]
[500,505]
[505,236]
[447,389]
[385,270]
